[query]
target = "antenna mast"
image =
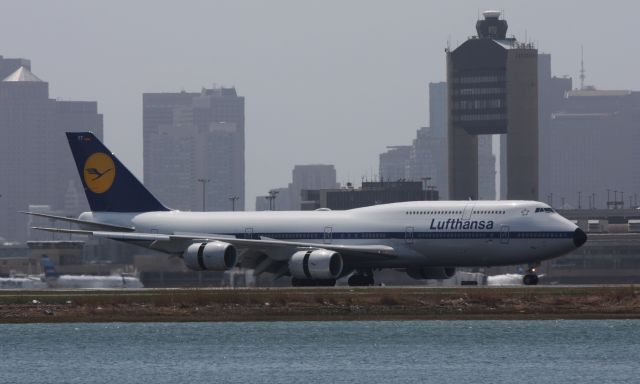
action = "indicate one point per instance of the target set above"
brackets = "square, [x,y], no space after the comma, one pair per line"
[582,72]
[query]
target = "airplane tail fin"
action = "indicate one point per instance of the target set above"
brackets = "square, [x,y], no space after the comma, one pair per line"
[48,268]
[108,184]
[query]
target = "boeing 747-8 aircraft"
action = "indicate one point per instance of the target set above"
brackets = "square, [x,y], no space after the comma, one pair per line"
[427,239]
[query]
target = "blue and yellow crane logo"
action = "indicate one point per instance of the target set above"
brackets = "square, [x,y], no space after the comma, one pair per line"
[99,172]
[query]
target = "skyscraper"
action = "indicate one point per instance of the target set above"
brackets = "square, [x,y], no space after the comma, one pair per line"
[36,167]
[394,164]
[551,99]
[593,150]
[9,66]
[493,89]
[191,136]
[438,144]
[303,177]
[427,156]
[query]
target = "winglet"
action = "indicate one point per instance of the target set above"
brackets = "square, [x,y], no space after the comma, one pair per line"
[108,184]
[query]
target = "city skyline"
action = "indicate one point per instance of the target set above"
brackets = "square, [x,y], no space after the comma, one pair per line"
[288,64]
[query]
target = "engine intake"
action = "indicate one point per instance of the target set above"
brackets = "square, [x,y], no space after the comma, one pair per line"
[212,256]
[431,273]
[315,264]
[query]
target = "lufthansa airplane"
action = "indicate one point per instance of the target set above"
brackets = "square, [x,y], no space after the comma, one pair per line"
[426,239]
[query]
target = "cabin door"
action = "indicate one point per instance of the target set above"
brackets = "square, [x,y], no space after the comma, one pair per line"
[328,235]
[248,233]
[468,209]
[504,234]
[408,235]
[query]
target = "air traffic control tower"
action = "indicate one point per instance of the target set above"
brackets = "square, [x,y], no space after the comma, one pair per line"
[493,89]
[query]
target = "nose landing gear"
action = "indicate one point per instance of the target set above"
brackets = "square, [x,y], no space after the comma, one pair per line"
[531,277]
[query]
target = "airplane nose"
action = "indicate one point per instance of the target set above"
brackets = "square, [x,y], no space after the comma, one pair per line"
[579,237]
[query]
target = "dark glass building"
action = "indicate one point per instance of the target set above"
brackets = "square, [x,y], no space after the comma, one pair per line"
[493,89]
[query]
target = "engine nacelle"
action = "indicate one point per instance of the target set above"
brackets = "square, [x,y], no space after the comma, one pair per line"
[315,264]
[431,273]
[212,256]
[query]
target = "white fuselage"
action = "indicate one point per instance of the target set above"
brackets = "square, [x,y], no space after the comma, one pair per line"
[424,233]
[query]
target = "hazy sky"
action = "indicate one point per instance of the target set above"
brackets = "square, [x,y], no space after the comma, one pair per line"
[325,82]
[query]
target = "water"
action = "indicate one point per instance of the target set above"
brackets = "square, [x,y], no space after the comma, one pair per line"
[599,351]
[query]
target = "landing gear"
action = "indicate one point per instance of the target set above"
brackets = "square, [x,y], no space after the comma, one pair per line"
[531,278]
[361,279]
[295,282]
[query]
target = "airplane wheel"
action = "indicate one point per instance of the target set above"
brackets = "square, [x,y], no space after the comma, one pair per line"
[360,281]
[530,279]
[356,281]
[312,283]
[299,282]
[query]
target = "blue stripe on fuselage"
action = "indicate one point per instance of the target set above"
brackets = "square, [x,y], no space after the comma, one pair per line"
[402,235]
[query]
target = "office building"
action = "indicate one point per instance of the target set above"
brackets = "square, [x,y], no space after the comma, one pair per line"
[36,165]
[492,89]
[394,163]
[437,143]
[9,66]
[303,177]
[194,148]
[427,158]
[593,150]
[551,99]
[371,193]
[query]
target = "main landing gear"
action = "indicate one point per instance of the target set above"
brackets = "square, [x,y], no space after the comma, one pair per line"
[361,279]
[295,282]
[531,278]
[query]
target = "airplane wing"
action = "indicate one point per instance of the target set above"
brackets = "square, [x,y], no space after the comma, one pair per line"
[277,250]
[85,223]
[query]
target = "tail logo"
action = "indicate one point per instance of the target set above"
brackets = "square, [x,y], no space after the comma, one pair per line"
[99,172]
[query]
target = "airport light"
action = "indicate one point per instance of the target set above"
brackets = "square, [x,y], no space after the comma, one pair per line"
[425,182]
[204,183]
[233,202]
[272,197]
[579,200]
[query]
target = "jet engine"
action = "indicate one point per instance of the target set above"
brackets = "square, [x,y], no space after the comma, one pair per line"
[431,273]
[315,264]
[212,256]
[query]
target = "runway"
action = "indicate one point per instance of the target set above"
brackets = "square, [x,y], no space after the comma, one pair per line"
[336,303]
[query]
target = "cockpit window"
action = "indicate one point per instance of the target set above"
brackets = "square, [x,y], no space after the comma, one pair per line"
[548,210]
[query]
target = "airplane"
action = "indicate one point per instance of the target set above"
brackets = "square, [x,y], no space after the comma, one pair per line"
[50,278]
[55,280]
[426,239]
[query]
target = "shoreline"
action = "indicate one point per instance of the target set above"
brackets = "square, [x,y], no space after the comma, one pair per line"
[320,304]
